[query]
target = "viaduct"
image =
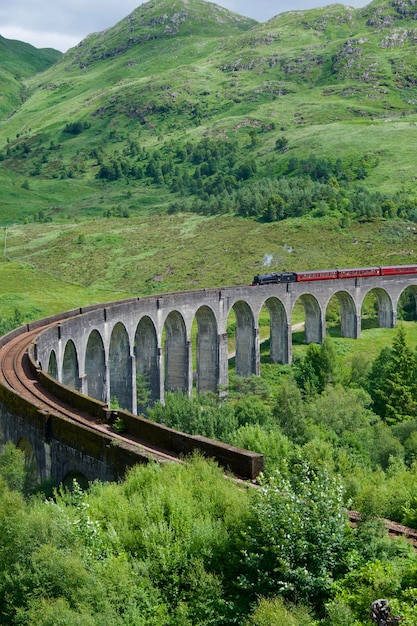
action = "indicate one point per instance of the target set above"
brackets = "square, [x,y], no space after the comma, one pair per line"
[93,356]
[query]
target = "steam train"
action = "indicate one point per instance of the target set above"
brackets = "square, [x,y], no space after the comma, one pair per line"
[354,272]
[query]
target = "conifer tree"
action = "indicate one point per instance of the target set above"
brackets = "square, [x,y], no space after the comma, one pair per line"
[392,381]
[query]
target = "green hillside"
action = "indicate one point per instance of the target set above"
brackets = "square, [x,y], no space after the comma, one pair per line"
[177,148]
[187,106]
[18,62]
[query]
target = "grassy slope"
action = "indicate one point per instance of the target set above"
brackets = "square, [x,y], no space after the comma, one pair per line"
[91,261]
[20,61]
[335,81]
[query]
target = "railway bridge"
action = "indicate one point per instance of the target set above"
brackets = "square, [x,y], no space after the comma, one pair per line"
[178,339]
[73,366]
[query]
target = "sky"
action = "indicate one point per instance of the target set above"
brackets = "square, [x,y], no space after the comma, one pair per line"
[62,24]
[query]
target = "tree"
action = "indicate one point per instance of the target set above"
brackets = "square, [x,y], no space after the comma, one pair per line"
[275,612]
[143,391]
[251,410]
[392,381]
[9,323]
[254,139]
[12,467]
[289,411]
[246,170]
[281,143]
[74,128]
[318,368]
[294,537]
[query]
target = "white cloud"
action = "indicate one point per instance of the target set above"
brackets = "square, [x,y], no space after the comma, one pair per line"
[41,39]
[59,24]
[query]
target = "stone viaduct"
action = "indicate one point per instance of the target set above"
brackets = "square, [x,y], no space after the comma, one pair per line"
[178,339]
[90,356]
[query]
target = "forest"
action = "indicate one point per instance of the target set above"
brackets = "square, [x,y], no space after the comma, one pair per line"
[213,177]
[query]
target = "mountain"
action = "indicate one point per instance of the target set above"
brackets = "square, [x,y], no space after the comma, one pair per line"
[18,62]
[160,21]
[184,105]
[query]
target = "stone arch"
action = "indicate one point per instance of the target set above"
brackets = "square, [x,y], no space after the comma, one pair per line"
[386,314]
[120,368]
[176,354]
[147,358]
[246,349]
[207,350]
[314,325]
[70,368]
[53,365]
[348,316]
[68,480]
[278,331]
[95,367]
[31,462]
[411,313]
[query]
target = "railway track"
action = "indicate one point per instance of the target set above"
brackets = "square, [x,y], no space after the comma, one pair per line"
[394,529]
[16,374]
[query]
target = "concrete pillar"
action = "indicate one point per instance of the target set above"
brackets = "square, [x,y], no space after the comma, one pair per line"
[59,356]
[82,374]
[314,325]
[120,367]
[207,351]
[289,345]
[347,315]
[146,358]
[245,357]
[357,326]
[161,375]
[107,383]
[387,317]
[176,354]
[94,367]
[245,340]
[83,384]
[223,372]
[70,367]
[280,340]
[46,470]
[256,365]
[189,369]
[133,372]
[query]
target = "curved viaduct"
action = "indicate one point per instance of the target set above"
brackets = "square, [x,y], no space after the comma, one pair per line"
[101,352]
[89,357]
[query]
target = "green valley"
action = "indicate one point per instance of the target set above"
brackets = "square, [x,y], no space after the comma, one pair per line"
[189,147]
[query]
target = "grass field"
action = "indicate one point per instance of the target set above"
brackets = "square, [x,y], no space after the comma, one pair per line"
[55,266]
